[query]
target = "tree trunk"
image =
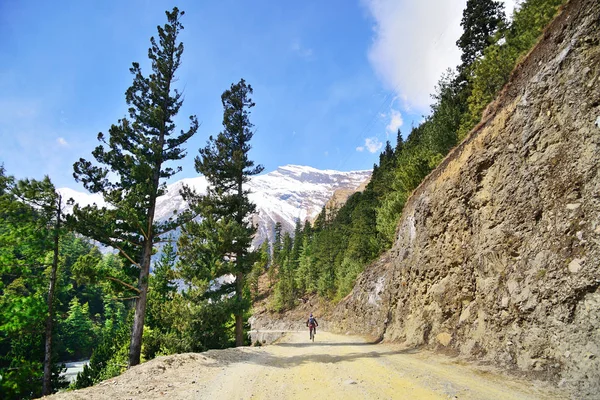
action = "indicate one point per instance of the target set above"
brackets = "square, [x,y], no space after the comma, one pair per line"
[135,347]
[239,313]
[239,278]
[47,380]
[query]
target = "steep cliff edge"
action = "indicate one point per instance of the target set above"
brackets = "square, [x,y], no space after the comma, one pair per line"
[497,255]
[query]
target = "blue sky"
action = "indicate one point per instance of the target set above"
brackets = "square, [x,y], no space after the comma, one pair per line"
[332,80]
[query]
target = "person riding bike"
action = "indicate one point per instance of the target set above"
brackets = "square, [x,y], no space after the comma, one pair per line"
[312,324]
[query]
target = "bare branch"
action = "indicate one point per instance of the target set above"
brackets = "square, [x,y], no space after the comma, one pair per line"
[112,278]
[142,229]
[125,298]
[127,256]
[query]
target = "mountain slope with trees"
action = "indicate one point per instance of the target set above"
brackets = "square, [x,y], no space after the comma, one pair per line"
[338,245]
[48,315]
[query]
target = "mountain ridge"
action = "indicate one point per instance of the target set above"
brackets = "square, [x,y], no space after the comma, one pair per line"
[287,194]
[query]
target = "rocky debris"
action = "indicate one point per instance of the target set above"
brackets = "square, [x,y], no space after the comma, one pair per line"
[497,251]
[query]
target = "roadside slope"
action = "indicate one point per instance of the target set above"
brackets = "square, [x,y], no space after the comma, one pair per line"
[497,252]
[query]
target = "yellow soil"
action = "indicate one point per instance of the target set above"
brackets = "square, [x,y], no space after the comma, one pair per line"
[333,367]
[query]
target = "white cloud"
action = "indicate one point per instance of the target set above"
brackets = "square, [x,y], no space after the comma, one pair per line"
[414,43]
[509,6]
[62,142]
[395,122]
[372,145]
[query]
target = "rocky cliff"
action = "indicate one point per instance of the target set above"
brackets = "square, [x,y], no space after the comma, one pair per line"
[497,251]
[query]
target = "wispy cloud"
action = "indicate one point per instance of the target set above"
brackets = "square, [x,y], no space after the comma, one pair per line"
[395,122]
[372,145]
[62,142]
[63,119]
[414,43]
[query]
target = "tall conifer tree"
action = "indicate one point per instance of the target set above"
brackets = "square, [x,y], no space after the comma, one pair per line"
[481,20]
[225,164]
[30,228]
[43,197]
[132,175]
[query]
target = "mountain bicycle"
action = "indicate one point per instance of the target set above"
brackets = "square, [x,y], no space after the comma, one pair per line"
[312,332]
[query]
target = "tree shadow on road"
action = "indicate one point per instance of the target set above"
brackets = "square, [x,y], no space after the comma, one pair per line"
[272,360]
[269,359]
[312,344]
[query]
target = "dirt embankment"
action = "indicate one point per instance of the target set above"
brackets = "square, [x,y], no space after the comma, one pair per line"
[497,253]
[333,367]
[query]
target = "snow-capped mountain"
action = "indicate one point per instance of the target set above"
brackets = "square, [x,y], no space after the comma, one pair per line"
[285,195]
[295,192]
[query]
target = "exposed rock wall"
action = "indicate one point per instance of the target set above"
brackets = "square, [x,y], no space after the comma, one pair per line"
[497,255]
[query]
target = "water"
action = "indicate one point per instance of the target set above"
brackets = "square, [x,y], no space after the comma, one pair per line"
[73,368]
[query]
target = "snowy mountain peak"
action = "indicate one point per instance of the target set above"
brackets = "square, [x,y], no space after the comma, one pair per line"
[290,193]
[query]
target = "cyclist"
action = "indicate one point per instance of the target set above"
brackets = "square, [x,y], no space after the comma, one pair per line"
[312,324]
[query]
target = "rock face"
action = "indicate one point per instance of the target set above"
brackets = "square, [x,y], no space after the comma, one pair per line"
[497,255]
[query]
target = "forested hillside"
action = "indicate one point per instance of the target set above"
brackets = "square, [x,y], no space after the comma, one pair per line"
[326,257]
[62,299]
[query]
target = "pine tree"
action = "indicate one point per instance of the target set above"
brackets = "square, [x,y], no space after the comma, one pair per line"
[399,143]
[286,248]
[277,242]
[481,20]
[164,273]
[225,164]
[297,244]
[321,220]
[387,154]
[259,268]
[30,228]
[306,275]
[79,329]
[134,154]
[43,196]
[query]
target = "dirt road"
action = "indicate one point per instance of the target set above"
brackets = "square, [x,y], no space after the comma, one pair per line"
[333,367]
